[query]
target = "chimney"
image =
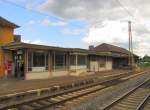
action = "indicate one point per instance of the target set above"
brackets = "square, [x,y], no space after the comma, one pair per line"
[91,47]
[17,38]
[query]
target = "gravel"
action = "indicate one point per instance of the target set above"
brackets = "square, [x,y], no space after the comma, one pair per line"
[104,97]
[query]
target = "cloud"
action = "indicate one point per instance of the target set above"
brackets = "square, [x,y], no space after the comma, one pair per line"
[47,22]
[103,18]
[31,22]
[89,10]
[68,31]
[112,31]
[143,48]
[50,23]
[115,32]
[38,41]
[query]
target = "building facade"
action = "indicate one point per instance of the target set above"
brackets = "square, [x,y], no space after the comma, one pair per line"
[30,61]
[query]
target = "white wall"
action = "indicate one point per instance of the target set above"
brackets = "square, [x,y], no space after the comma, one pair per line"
[94,65]
[59,73]
[74,70]
[74,67]
[78,70]
[44,75]
[109,63]
[37,75]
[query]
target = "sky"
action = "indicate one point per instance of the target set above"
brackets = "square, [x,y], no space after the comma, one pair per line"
[80,23]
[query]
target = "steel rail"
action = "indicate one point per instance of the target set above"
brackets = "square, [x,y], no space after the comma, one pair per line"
[36,99]
[143,103]
[55,88]
[125,95]
[69,99]
[27,101]
[12,105]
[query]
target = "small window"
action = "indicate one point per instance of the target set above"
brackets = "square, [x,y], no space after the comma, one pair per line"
[102,62]
[81,60]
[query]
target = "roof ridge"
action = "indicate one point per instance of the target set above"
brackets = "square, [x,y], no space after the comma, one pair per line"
[116,46]
[111,48]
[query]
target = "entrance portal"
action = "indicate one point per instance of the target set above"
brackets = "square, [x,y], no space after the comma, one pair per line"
[19,64]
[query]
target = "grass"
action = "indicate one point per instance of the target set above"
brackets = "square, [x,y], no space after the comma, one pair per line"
[145,65]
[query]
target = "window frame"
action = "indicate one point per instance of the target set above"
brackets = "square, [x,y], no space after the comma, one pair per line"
[31,60]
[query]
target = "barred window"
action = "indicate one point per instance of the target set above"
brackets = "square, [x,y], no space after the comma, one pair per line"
[72,60]
[59,60]
[82,60]
[37,59]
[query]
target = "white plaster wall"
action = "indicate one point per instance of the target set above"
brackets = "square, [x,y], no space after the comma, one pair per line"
[74,67]
[59,73]
[94,66]
[37,75]
[36,69]
[101,68]
[109,64]
[78,70]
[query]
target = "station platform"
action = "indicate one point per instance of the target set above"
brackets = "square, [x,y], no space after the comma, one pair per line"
[10,86]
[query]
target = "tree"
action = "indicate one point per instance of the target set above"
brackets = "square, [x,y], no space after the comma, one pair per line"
[146,58]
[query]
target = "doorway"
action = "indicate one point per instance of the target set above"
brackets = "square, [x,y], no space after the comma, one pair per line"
[19,64]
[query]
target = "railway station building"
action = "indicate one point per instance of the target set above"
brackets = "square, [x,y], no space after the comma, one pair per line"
[31,61]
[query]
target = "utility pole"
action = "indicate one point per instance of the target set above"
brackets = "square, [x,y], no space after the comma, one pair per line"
[129,32]
[131,55]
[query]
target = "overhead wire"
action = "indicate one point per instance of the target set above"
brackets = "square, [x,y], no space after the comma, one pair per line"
[130,14]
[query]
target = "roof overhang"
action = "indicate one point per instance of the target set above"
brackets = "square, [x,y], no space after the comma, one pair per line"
[21,45]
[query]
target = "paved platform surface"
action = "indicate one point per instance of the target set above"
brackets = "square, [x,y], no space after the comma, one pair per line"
[15,85]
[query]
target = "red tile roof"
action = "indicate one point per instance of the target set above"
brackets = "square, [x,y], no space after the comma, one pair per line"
[104,47]
[4,22]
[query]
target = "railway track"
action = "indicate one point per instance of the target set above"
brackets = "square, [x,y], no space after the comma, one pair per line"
[145,105]
[40,103]
[135,99]
[58,99]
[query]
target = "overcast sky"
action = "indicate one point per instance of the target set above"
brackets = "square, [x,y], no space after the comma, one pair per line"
[79,23]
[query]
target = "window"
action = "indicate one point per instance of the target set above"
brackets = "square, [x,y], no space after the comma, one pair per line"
[59,60]
[102,62]
[46,61]
[93,58]
[37,60]
[82,60]
[30,61]
[72,60]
